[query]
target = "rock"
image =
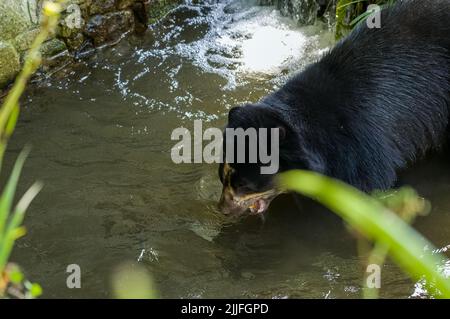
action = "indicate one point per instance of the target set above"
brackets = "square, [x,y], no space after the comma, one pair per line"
[52,47]
[71,22]
[57,61]
[84,6]
[109,27]
[101,6]
[124,4]
[17,16]
[156,9]
[73,37]
[75,43]
[24,40]
[140,17]
[9,63]
[66,32]
[305,12]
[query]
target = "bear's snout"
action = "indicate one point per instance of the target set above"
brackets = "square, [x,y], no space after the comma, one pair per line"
[228,205]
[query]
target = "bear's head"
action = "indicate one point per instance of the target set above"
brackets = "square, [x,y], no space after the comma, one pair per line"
[259,142]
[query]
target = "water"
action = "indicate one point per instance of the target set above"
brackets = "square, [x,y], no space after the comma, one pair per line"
[100,132]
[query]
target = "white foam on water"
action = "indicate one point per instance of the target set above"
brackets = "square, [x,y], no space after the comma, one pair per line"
[246,45]
[249,41]
[267,43]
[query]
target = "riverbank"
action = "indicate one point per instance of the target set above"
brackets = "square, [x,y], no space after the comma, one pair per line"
[85,25]
[90,24]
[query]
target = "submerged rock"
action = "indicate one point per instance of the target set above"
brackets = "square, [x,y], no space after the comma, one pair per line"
[76,42]
[53,47]
[123,4]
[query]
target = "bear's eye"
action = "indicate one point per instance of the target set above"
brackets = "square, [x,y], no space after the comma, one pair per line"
[237,183]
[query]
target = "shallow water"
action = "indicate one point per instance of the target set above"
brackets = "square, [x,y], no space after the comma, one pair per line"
[100,132]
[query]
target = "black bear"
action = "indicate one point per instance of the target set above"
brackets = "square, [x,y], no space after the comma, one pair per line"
[375,103]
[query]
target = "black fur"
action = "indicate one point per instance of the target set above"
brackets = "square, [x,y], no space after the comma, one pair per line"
[375,103]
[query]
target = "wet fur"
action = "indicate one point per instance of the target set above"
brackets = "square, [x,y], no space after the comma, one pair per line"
[377,102]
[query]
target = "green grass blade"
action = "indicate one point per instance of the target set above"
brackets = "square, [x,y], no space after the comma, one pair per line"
[12,121]
[22,206]
[14,229]
[339,7]
[7,196]
[372,219]
[362,17]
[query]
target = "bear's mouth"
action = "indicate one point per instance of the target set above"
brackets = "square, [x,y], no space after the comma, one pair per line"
[259,206]
[254,204]
[258,203]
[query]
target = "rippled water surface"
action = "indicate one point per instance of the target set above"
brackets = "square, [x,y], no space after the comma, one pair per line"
[100,132]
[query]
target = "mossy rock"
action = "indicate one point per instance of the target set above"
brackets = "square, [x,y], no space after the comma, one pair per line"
[75,43]
[124,4]
[102,6]
[24,40]
[9,63]
[67,32]
[17,16]
[52,47]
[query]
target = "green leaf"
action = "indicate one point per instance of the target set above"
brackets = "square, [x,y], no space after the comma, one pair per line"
[35,290]
[14,230]
[339,7]
[22,206]
[16,276]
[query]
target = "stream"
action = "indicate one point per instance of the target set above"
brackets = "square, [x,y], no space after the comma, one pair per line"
[100,134]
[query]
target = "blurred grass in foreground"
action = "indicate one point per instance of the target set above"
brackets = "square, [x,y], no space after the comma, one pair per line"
[12,281]
[133,281]
[371,218]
